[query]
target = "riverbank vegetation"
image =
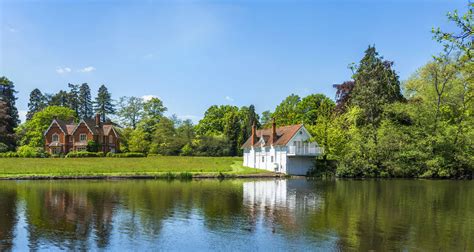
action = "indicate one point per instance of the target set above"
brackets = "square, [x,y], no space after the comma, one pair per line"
[162,167]
[378,126]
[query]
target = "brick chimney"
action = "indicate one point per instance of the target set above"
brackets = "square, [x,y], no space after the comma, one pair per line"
[97,119]
[252,138]
[273,136]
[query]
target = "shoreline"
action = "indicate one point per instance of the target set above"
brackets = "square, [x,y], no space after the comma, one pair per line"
[146,176]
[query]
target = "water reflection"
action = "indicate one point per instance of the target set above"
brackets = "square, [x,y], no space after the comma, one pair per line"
[237,214]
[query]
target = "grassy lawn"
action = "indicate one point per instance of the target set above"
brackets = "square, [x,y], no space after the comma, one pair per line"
[155,166]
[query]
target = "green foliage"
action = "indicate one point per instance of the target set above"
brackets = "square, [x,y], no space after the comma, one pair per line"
[31,133]
[130,110]
[126,155]
[86,109]
[8,113]
[37,103]
[286,113]
[4,148]
[92,146]
[84,154]
[30,152]
[103,103]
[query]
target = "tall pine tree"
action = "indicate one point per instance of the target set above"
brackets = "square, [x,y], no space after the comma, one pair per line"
[103,103]
[37,103]
[376,84]
[85,102]
[73,97]
[8,112]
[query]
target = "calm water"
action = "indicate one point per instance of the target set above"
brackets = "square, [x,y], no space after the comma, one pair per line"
[237,215]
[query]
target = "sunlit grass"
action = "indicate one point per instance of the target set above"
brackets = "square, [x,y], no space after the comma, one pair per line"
[155,166]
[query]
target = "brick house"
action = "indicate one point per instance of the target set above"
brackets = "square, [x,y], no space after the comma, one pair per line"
[65,136]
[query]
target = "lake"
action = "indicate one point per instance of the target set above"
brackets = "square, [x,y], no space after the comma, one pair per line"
[276,214]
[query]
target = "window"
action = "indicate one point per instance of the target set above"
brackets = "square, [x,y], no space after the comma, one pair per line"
[81,148]
[56,150]
[111,139]
[263,159]
[82,137]
[70,139]
[272,159]
[55,137]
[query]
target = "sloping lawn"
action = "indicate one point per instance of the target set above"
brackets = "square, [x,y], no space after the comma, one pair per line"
[75,167]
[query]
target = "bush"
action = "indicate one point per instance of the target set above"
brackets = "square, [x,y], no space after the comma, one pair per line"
[92,146]
[126,155]
[3,148]
[9,154]
[83,154]
[30,152]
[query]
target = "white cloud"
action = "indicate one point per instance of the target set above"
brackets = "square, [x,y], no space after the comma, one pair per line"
[86,69]
[63,70]
[149,97]
[228,98]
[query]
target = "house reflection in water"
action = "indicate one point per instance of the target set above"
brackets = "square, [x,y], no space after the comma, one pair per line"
[280,204]
[293,195]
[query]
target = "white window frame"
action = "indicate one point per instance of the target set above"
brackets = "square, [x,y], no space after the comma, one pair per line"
[53,136]
[81,136]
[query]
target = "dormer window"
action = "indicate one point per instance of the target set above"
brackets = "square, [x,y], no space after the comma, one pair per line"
[55,137]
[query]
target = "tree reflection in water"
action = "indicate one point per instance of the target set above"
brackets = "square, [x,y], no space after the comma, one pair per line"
[237,214]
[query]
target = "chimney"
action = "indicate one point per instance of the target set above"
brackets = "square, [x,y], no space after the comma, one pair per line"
[97,119]
[252,138]
[273,136]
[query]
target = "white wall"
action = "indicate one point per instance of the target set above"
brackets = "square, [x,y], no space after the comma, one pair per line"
[299,165]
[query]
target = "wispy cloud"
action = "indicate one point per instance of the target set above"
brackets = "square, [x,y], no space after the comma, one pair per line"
[148,56]
[63,70]
[87,69]
[149,97]
[11,28]
[228,98]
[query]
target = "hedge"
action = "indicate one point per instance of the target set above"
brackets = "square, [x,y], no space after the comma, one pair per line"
[126,154]
[82,154]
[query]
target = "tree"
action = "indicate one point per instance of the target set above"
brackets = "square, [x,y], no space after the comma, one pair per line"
[31,132]
[73,97]
[130,110]
[286,113]
[37,103]
[343,95]
[103,103]
[458,41]
[86,109]
[266,118]
[8,112]
[214,120]
[138,141]
[59,99]
[232,131]
[165,139]
[311,107]
[153,108]
[376,85]
[248,118]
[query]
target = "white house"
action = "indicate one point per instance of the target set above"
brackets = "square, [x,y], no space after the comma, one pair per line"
[284,149]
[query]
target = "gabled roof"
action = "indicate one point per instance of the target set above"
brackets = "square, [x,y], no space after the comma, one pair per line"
[64,126]
[284,135]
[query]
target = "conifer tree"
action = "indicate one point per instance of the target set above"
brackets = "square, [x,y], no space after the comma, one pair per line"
[8,112]
[85,102]
[103,103]
[37,103]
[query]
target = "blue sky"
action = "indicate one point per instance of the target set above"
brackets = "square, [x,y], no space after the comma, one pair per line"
[194,54]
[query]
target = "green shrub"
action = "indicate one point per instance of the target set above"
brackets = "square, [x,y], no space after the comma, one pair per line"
[30,152]
[83,154]
[92,146]
[9,154]
[3,148]
[126,155]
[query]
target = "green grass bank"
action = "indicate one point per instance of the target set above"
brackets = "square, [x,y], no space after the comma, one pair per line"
[150,167]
